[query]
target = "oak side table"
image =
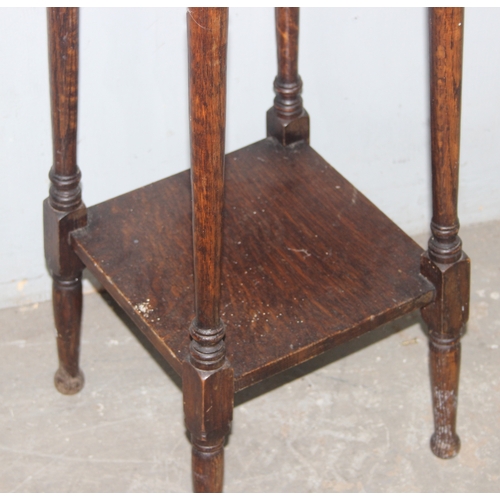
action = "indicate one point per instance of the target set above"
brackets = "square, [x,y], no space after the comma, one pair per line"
[255,261]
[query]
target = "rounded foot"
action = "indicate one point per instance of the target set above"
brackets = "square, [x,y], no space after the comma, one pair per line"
[66,384]
[446,446]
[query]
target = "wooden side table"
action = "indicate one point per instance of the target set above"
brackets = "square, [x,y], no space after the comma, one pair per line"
[289,258]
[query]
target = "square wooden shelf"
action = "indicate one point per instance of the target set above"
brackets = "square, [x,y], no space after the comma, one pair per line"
[308,261]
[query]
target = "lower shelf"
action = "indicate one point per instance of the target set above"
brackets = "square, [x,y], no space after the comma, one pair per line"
[308,261]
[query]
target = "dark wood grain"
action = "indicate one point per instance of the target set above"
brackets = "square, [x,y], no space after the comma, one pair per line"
[63,63]
[446,31]
[445,264]
[207,34]
[64,210]
[287,120]
[287,41]
[308,262]
[207,377]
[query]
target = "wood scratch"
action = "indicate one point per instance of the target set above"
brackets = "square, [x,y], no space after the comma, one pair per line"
[195,21]
[300,250]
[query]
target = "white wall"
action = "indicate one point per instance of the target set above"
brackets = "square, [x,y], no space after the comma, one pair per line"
[365,75]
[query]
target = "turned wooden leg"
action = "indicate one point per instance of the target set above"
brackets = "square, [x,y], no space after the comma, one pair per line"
[287,120]
[445,368]
[446,318]
[67,304]
[207,379]
[208,464]
[64,210]
[208,409]
[444,264]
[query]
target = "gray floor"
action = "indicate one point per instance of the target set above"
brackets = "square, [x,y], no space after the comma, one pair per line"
[355,419]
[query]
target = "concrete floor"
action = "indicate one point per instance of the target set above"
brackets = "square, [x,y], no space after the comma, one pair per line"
[357,419]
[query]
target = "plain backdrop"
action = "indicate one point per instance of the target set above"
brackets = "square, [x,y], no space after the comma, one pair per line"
[365,74]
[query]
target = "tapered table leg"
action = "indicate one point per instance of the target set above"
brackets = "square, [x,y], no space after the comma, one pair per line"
[444,264]
[207,379]
[287,120]
[64,210]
